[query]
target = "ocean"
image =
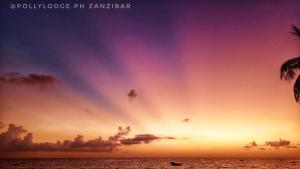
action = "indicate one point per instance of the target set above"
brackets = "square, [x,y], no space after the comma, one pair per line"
[149,163]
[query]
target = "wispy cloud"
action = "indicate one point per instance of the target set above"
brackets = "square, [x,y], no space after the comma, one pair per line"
[143,138]
[29,79]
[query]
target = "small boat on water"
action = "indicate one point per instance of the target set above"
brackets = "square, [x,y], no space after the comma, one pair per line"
[175,164]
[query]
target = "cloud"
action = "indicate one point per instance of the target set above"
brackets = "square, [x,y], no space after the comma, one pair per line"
[186,120]
[30,79]
[277,144]
[122,132]
[271,144]
[143,138]
[250,145]
[11,140]
[132,94]
[138,139]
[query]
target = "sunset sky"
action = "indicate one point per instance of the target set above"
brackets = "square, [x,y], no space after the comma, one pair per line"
[205,75]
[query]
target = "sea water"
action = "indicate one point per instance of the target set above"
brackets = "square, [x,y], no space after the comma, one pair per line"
[149,163]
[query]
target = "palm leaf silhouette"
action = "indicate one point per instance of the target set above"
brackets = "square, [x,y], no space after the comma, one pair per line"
[295,31]
[290,68]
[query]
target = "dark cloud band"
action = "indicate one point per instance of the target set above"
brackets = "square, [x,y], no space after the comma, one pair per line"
[30,79]
[281,143]
[11,140]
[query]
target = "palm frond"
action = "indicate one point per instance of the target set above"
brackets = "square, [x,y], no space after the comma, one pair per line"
[296,31]
[288,68]
[297,89]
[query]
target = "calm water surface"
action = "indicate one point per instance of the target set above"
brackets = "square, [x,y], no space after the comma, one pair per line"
[149,163]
